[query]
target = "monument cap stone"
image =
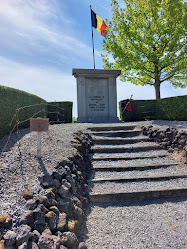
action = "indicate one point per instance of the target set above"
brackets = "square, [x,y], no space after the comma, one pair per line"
[95,72]
[96,95]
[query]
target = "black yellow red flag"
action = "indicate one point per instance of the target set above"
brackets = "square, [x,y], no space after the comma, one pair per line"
[98,23]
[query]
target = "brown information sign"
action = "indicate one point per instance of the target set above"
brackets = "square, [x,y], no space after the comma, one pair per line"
[39,124]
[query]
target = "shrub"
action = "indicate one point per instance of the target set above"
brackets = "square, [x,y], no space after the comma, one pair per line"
[174,108]
[12,99]
[141,110]
[60,112]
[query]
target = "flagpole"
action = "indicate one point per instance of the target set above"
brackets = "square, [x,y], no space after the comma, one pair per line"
[92,37]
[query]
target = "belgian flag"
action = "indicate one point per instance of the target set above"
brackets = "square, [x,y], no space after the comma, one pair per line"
[126,104]
[98,23]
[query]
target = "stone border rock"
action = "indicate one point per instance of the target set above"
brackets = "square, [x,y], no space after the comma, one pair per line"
[54,217]
[169,138]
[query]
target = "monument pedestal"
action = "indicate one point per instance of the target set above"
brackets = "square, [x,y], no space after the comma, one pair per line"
[96,95]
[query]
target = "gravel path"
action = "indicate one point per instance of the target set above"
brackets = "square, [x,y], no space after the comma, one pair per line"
[144,225]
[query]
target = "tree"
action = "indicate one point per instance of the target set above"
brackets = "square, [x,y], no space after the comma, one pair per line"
[148,42]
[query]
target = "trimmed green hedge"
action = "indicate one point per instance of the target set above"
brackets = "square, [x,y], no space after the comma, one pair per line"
[12,99]
[141,109]
[63,112]
[174,108]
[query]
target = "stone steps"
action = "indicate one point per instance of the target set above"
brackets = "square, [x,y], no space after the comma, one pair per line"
[110,187]
[133,162]
[118,133]
[114,158]
[111,141]
[137,173]
[128,167]
[137,179]
[128,156]
[139,195]
[121,149]
[132,167]
[112,128]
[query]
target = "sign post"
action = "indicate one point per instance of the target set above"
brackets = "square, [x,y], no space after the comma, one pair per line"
[39,125]
[39,144]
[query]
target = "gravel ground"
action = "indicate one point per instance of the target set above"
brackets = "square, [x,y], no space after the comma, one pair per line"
[180,125]
[140,226]
[19,173]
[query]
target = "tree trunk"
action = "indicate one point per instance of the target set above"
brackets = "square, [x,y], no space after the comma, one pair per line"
[157,90]
[157,83]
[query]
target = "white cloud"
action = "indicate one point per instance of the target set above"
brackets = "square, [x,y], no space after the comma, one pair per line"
[36,24]
[52,85]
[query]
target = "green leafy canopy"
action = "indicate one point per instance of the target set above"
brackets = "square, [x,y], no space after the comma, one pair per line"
[148,42]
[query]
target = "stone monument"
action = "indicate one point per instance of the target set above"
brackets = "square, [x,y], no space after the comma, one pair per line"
[96,95]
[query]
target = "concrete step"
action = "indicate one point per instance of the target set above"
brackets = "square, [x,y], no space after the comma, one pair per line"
[129,156]
[112,128]
[114,158]
[140,162]
[107,187]
[119,133]
[151,194]
[109,140]
[137,173]
[132,167]
[140,178]
[121,149]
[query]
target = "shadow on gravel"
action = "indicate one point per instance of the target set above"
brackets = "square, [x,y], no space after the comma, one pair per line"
[43,167]
[139,203]
[6,142]
[84,230]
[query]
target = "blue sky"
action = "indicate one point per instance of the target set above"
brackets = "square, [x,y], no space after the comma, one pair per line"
[42,40]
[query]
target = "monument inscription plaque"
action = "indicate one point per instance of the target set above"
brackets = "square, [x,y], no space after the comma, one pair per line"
[96,95]
[97,100]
